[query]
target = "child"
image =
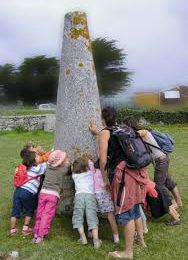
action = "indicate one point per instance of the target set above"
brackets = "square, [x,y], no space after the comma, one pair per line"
[85,201]
[104,200]
[23,198]
[43,155]
[57,166]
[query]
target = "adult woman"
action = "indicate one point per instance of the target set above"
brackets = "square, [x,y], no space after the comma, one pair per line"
[112,158]
[161,164]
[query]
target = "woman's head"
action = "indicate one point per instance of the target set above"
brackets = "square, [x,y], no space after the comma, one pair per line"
[29,158]
[109,116]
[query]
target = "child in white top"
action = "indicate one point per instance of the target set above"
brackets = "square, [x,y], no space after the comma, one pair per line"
[84,202]
[105,204]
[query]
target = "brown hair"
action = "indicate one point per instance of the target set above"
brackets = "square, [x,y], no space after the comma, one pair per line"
[28,157]
[81,163]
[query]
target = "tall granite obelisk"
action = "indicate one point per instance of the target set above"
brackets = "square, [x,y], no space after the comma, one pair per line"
[77,98]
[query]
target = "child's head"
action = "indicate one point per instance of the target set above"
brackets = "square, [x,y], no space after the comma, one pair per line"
[35,148]
[57,158]
[28,157]
[81,164]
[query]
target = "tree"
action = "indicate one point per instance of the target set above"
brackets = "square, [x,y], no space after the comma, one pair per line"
[112,75]
[38,78]
[8,81]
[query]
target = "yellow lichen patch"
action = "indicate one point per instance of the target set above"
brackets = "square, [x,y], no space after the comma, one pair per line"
[79,19]
[67,71]
[76,33]
[93,67]
[81,64]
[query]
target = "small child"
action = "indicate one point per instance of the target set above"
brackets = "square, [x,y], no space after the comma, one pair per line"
[85,201]
[43,155]
[23,198]
[104,200]
[57,167]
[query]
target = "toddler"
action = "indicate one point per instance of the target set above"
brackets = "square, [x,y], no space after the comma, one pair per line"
[23,198]
[57,167]
[104,200]
[85,201]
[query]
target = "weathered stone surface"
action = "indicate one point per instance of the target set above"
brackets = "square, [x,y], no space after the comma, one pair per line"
[49,124]
[27,122]
[78,97]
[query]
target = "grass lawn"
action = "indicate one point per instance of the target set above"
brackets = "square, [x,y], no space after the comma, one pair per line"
[165,243]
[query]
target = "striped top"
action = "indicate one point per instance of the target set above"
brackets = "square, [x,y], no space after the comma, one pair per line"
[34,171]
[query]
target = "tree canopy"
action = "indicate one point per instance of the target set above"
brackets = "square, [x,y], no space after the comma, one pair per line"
[36,79]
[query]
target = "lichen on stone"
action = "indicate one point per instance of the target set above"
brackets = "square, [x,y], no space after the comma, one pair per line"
[67,71]
[81,64]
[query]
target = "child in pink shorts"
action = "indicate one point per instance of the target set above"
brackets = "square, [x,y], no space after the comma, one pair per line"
[57,166]
[105,204]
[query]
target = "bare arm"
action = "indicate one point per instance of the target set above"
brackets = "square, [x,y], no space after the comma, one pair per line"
[103,149]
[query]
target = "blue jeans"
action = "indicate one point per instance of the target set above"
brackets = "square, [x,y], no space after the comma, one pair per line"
[132,214]
[23,201]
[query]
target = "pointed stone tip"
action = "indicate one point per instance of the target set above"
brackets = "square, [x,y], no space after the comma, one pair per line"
[81,13]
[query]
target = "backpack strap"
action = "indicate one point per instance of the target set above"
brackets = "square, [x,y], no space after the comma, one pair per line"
[121,186]
[153,146]
[30,179]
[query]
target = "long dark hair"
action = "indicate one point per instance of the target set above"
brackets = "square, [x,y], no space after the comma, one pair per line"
[109,114]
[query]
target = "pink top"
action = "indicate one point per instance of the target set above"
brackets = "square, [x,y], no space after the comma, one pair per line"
[97,176]
[98,181]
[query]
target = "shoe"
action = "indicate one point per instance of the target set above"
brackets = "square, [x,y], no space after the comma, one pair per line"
[27,231]
[82,241]
[115,239]
[14,231]
[97,243]
[39,240]
[173,223]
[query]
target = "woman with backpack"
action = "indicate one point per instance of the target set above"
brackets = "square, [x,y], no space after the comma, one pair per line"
[162,178]
[112,158]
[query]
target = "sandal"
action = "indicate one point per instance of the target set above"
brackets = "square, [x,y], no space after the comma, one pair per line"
[116,255]
[173,222]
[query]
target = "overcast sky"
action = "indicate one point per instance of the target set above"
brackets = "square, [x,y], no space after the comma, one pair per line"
[154,33]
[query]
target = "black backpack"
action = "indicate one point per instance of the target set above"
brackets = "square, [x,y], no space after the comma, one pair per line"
[137,154]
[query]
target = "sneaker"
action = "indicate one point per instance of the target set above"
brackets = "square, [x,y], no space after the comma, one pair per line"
[97,243]
[27,231]
[14,231]
[39,240]
[82,241]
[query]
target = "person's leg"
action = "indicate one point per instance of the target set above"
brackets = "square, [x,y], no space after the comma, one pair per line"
[144,220]
[139,229]
[16,211]
[177,196]
[78,217]
[40,210]
[27,199]
[113,224]
[92,219]
[129,231]
[47,215]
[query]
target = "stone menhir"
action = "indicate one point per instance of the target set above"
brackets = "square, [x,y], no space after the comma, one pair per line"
[78,98]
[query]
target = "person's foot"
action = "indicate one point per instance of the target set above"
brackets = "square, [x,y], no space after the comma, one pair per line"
[141,242]
[82,241]
[27,231]
[97,243]
[120,255]
[39,240]
[115,239]
[14,231]
[173,222]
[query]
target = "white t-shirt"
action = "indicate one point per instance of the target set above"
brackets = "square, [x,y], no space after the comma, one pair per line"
[84,182]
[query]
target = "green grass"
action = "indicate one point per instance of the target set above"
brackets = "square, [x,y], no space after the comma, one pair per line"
[166,243]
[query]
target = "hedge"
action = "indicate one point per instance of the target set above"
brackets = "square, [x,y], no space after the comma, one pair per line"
[155,115]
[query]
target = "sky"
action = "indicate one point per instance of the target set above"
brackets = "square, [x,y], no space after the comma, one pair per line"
[153,33]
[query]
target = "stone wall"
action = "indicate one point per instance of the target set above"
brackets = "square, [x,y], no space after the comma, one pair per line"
[28,122]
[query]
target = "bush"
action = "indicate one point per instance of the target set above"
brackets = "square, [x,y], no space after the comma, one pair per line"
[155,115]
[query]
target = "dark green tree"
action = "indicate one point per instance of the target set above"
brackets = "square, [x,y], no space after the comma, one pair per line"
[112,74]
[8,82]
[38,78]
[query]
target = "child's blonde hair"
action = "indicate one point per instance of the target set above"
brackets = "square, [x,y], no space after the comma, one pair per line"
[81,163]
